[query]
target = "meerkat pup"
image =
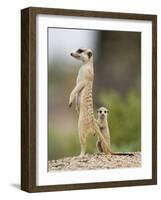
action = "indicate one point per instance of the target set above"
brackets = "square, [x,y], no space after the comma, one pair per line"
[102,114]
[102,122]
[82,95]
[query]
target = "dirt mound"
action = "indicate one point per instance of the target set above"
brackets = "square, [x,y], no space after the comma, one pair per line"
[95,161]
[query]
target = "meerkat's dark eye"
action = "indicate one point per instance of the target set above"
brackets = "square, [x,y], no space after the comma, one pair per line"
[100,111]
[105,111]
[89,54]
[79,50]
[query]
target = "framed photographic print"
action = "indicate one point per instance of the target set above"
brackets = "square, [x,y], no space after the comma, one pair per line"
[88,99]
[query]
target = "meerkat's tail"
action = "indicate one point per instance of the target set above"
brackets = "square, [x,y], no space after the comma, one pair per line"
[122,154]
[106,149]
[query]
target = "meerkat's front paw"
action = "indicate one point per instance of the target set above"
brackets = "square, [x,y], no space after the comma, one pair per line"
[70,101]
[70,104]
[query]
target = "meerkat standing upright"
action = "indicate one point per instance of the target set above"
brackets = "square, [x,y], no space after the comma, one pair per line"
[82,93]
[102,122]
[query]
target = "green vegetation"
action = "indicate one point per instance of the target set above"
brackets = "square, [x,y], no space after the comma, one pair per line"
[124,120]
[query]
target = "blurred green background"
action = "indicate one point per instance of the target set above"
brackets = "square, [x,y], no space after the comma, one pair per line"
[117,66]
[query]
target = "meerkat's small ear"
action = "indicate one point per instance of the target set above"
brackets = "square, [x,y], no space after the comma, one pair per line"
[89,54]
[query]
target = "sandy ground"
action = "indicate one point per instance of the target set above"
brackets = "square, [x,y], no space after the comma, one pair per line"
[95,161]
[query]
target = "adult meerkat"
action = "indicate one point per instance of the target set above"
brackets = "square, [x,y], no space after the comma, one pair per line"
[82,93]
[102,122]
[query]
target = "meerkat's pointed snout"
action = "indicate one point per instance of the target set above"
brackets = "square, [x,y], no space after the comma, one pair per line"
[83,54]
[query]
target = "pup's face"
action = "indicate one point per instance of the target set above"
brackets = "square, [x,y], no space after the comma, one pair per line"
[83,55]
[102,113]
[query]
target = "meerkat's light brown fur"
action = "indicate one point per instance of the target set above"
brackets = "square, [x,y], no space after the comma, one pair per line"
[82,93]
[102,122]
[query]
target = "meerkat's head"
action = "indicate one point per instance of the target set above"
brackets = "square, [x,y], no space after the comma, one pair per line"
[83,54]
[102,113]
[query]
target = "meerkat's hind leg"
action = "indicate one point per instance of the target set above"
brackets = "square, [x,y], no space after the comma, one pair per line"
[82,139]
[83,149]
